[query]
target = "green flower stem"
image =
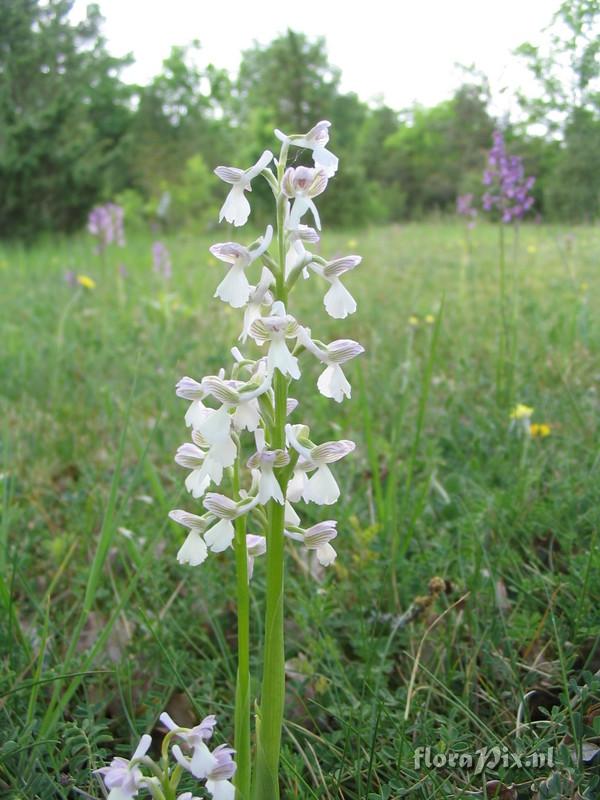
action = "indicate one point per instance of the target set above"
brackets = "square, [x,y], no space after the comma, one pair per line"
[242,691]
[270,720]
[502,365]
[270,716]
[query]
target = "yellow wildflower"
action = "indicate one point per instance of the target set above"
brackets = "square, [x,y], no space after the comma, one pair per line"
[521,411]
[430,319]
[413,320]
[585,286]
[531,248]
[86,281]
[540,429]
[352,243]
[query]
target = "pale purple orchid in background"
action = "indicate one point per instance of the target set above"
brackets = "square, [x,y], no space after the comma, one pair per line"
[465,208]
[106,223]
[236,208]
[509,188]
[161,260]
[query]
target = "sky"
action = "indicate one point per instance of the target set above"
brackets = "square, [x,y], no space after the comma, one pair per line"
[398,51]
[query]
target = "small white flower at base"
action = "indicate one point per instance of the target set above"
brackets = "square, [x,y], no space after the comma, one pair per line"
[236,208]
[235,288]
[201,761]
[217,781]
[124,778]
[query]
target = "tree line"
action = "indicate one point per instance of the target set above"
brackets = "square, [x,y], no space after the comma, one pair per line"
[74,133]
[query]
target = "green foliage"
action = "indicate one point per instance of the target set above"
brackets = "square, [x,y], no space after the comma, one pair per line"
[73,134]
[63,117]
[513,521]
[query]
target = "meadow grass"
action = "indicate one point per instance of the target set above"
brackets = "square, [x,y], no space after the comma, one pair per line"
[102,629]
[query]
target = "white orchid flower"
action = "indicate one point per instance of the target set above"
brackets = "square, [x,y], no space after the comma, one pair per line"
[297,253]
[321,487]
[217,781]
[191,390]
[338,301]
[302,184]
[275,329]
[259,296]
[255,546]
[236,208]
[194,550]
[238,396]
[316,140]
[123,778]
[265,461]
[220,536]
[202,761]
[235,288]
[317,538]
[332,382]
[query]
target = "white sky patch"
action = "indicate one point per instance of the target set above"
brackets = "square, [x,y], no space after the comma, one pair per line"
[401,52]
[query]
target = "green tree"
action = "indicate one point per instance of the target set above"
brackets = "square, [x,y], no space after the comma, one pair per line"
[64,115]
[566,66]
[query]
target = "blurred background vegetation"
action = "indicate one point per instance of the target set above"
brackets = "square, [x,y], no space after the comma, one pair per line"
[74,133]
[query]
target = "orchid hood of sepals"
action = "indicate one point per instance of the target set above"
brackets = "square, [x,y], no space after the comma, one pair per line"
[275,329]
[217,780]
[338,301]
[265,461]
[225,508]
[317,538]
[236,208]
[124,778]
[302,184]
[235,288]
[316,140]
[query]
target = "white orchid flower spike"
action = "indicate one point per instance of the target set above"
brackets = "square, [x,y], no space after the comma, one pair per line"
[236,208]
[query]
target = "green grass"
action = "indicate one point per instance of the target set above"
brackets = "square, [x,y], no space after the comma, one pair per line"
[102,630]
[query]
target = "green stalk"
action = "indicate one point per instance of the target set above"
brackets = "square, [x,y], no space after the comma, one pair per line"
[501,366]
[270,717]
[242,689]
